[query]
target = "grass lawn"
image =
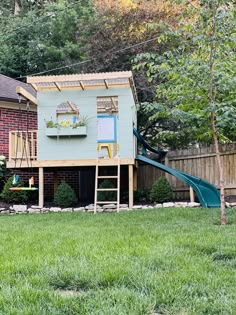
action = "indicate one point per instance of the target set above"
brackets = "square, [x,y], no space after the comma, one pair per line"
[164,261]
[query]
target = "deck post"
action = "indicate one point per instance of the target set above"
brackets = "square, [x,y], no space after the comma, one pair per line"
[135,177]
[41,187]
[191,192]
[131,186]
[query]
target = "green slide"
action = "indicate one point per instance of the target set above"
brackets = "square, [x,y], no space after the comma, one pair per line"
[207,194]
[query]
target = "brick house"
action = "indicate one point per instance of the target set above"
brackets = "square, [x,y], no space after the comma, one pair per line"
[11,116]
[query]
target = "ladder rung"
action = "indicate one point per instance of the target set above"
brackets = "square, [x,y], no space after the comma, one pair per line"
[107,202]
[107,189]
[107,176]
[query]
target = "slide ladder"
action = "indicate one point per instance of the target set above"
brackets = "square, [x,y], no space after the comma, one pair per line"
[99,165]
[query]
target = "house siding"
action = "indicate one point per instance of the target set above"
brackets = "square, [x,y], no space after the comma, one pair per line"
[74,148]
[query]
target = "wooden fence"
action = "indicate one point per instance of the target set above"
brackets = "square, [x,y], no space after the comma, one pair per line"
[198,162]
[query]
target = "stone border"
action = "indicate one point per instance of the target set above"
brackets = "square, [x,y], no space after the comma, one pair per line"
[22,209]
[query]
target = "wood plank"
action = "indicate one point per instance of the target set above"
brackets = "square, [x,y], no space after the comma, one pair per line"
[70,163]
[106,84]
[131,186]
[27,95]
[41,187]
[34,86]
[191,193]
[80,77]
[79,88]
[58,86]
[135,178]
[81,85]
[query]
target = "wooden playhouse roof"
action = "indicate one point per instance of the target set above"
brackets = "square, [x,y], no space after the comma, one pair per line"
[83,81]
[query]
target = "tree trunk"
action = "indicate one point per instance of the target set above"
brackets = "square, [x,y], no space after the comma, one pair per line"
[221,173]
[17,7]
[213,127]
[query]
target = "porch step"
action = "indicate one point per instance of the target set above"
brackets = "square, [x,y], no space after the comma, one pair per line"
[107,176]
[107,189]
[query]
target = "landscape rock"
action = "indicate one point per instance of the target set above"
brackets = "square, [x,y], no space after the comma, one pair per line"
[194,204]
[4,212]
[2,209]
[168,204]
[137,207]
[82,209]
[110,206]
[89,208]
[45,210]
[158,205]
[35,207]
[179,204]
[66,210]
[123,205]
[55,209]
[32,210]
[20,208]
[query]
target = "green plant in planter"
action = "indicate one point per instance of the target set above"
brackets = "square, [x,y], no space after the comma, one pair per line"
[50,123]
[82,121]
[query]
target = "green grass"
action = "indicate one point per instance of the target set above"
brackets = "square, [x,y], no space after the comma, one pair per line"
[165,261]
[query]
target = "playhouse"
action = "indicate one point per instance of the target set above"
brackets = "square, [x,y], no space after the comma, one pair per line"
[84,120]
[89,121]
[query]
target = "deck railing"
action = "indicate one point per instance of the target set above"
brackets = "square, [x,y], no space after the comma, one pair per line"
[23,145]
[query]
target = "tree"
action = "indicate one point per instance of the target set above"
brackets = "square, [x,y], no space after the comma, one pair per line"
[122,29]
[197,79]
[46,37]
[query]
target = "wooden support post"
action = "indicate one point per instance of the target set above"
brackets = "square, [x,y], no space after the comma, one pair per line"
[191,192]
[41,187]
[135,178]
[131,186]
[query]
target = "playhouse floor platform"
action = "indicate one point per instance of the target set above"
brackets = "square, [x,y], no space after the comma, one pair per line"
[69,163]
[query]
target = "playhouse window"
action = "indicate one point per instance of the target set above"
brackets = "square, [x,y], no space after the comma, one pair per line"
[107,104]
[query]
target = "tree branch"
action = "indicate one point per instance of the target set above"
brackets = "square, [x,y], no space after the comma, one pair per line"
[192,4]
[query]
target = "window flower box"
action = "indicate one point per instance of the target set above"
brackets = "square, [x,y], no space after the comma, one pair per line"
[66,131]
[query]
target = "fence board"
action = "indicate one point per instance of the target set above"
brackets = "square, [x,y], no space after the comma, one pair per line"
[198,162]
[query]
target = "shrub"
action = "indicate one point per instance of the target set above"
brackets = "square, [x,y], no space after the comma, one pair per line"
[17,196]
[3,171]
[106,195]
[65,195]
[161,190]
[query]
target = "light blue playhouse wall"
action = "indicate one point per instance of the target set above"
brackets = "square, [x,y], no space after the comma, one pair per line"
[79,147]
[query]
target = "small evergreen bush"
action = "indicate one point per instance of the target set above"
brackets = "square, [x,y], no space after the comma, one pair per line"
[65,195]
[161,191]
[16,196]
[106,195]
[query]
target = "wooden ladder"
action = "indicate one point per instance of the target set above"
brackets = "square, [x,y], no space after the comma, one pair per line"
[116,189]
